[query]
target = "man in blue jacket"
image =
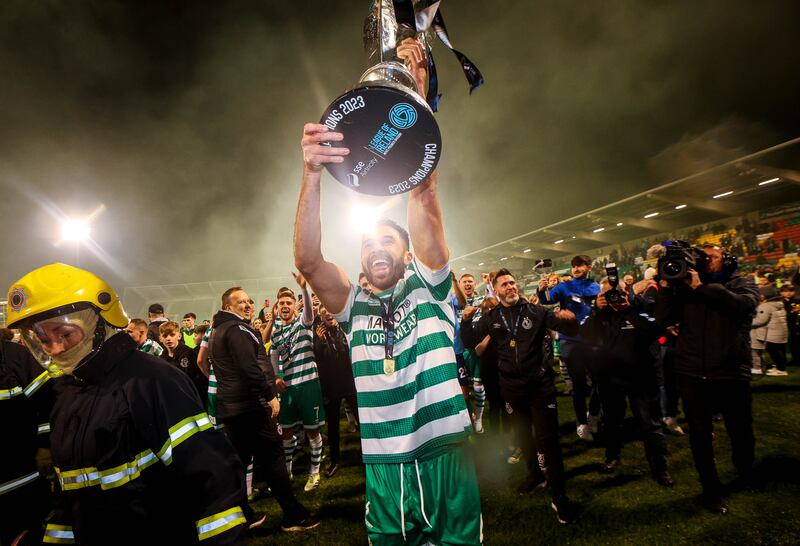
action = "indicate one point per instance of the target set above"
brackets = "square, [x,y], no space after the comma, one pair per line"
[576,295]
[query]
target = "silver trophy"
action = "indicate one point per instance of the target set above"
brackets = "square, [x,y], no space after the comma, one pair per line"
[387,124]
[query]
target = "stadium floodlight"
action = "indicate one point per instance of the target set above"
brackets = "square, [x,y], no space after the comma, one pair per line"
[480,264]
[503,259]
[363,218]
[619,224]
[598,230]
[526,250]
[723,194]
[679,207]
[558,242]
[75,230]
[651,215]
[770,181]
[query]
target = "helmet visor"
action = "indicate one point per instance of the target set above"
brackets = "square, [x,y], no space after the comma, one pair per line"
[59,343]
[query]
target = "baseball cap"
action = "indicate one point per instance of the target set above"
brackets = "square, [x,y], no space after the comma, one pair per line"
[156,308]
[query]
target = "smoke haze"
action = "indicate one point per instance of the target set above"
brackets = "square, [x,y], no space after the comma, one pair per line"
[184,120]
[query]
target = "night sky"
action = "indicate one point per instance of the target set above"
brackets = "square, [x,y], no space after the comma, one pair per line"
[184,120]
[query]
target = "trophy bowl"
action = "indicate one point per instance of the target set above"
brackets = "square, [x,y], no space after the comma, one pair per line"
[393,138]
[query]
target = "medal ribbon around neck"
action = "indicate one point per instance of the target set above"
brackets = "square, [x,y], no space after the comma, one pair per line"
[513,342]
[387,319]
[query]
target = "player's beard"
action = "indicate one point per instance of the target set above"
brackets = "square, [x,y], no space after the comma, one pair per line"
[396,269]
[511,299]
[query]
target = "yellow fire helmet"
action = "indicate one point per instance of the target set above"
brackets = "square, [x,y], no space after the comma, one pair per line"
[57,289]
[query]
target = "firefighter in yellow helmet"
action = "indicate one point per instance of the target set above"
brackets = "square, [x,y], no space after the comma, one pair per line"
[136,457]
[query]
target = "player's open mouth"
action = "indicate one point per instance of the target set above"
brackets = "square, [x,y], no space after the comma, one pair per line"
[380,267]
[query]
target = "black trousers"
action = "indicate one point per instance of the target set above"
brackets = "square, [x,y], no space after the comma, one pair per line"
[646,408]
[670,395]
[255,433]
[575,355]
[333,407]
[794,347]
[777,352]
[701,399]
[537,416]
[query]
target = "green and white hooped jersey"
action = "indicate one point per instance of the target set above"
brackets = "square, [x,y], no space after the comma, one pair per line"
[474,301]
[151,347]
[416,411]
[206,337]
[295,347]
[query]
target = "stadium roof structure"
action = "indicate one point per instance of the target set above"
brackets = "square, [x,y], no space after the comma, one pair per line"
[758,181]
[200,298]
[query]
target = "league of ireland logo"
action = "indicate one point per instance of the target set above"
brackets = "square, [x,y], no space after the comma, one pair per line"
[403,115]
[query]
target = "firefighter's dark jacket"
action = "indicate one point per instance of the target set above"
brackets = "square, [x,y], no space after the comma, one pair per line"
[137,458]
[525,362]
[25,402]
[245,378]
[714,323]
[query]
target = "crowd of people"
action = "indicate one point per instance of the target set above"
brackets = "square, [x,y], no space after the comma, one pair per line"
[753,240]
[153,428]
[270,380]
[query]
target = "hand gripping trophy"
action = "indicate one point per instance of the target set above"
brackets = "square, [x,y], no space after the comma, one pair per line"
[387,118]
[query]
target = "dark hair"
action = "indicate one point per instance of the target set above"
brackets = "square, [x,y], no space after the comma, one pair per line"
[6,334]
[156,309]
[581,259]
[286,293]
[226,296]
[190,315]
[395,226]
[201,329]
[500,273]
[466,275]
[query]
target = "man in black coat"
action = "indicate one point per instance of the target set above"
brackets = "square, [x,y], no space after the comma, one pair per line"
[247,402]
[517,330]
[625,360]
[713,309]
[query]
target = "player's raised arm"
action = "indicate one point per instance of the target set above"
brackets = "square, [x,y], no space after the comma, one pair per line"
[424,213]
[329,281]
[425,225]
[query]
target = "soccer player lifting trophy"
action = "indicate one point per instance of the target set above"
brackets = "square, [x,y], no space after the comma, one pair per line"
[387,118]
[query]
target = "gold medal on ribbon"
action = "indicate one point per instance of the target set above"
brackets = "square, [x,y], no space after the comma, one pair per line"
[388,366]
[512,343]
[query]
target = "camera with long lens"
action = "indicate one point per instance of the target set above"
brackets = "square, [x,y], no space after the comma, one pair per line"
[615,296]
[679,259]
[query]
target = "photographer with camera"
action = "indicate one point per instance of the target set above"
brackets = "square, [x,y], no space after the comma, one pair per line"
[713,307]
[625,360]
